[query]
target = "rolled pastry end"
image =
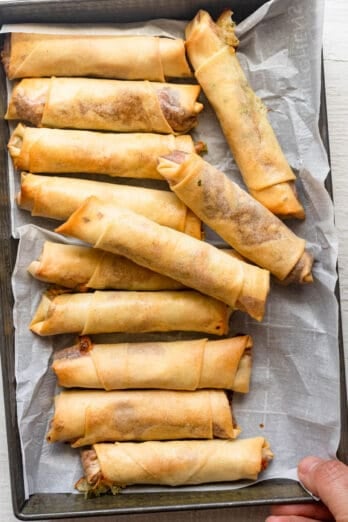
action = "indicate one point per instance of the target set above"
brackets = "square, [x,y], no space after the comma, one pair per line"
[221,33]
[281,199]
[41,314]
[15,144]
[25,199]
[302,271]
[28,100]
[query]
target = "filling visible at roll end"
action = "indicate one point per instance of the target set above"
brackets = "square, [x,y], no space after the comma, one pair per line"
[302,271]
[266,455]
[93,484]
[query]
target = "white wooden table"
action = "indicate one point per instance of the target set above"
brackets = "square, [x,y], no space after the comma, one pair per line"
[336,72]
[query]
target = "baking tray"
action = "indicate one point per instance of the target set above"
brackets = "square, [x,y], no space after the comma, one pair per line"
[50,506]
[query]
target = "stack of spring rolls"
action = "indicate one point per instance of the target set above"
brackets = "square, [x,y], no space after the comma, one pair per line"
[151,412]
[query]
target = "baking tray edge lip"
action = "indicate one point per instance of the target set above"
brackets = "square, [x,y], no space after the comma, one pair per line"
[23,515]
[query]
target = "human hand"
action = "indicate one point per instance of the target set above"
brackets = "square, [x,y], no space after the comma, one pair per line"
[326,479]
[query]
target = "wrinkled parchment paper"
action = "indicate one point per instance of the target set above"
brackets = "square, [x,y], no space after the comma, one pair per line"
[294,397]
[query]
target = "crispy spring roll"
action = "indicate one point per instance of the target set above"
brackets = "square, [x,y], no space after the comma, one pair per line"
[130,312]
[111,105]
[81,268]
[34,55]
[237,217]
[132,155]
[84,417]
[176,365]
[194,263]
[57,198]
[172,463]
[242,115]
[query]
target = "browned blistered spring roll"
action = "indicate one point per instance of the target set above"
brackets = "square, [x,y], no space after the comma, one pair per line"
[172,463]
[132,155]
[57,198]
[84,417]
[81,268]
[175,365]
[242,115]
[111,105]
[194,263]
[129,312]
[105,56]
[237,217]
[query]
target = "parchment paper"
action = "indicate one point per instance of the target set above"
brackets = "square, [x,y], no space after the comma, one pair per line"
[294,397]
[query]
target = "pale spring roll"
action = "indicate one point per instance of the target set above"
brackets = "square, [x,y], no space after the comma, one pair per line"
[237,217]
[132,155]
[105,56]
[172,463]
[242,115]
[84,417]
[81,268]
[175,365]
[57,198]
[192,262]
[129,312]
[111,105]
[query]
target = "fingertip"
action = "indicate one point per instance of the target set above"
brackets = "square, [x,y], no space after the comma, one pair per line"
[307,465]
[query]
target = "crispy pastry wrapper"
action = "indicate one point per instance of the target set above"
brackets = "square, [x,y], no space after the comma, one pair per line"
[43,150]
[130,312]
[194,263]
[173,463]
[110,105]
[175,365]
[237,217]
[58,198]
[85,417]
[28,55]
[242,115]
[81,268]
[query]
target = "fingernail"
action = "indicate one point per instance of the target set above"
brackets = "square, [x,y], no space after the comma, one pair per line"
[307,465]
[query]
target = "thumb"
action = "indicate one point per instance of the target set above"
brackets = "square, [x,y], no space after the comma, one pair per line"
[327,479]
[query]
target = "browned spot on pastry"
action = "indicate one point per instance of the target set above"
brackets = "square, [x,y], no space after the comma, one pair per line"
[29,109]
[177,117]
[127,107]
[219,432]
[254,225]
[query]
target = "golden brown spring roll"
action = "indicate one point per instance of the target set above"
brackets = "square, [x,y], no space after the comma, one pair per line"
[132,155]
[172,463]
[131,312]
[237,217]
[57,198]
[33,55]
[81,268]
[194,263]
[84,417]
[242,115]
[111,105]
[175,365]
